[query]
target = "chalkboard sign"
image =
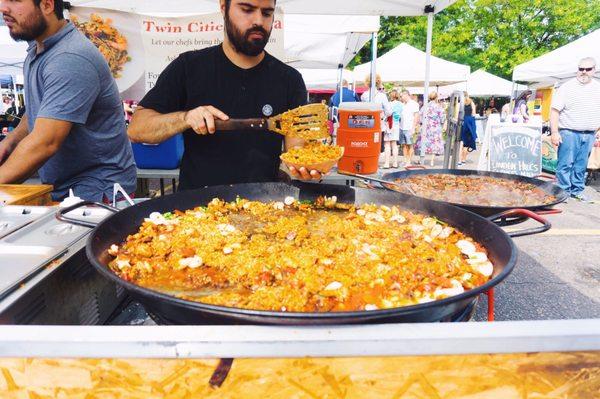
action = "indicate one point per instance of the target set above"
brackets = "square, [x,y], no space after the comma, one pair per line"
[516,148]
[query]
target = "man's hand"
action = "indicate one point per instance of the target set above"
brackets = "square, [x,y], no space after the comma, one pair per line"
[555,139]
[305,174]
[202,119]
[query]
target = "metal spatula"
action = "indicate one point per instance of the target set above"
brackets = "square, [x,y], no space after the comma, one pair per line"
[308,122]
[381,181]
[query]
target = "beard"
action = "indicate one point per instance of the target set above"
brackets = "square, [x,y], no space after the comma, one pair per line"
[241,41]
[584,78]
[32,26]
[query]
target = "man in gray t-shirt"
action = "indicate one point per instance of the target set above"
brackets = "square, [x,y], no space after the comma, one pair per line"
[73,130]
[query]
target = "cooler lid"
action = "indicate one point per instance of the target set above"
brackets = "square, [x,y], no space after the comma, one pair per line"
[360,106]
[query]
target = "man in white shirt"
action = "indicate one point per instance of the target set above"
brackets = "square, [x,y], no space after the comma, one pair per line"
[408,125]
[575,125]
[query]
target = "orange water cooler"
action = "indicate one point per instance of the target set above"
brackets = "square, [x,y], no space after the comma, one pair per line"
[359,133]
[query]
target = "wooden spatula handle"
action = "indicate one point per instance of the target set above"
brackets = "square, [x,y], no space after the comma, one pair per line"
[242,124]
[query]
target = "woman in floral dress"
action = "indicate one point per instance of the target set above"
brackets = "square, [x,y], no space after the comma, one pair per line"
[433,121]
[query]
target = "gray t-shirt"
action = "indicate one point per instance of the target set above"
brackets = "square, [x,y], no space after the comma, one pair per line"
[578,104]
[71,81]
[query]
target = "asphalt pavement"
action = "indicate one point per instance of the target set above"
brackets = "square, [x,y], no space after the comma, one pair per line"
[557,275]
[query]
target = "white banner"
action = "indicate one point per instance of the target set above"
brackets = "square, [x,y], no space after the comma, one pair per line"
[139,47]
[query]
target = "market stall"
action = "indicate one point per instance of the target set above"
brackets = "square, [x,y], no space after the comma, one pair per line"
[57,282]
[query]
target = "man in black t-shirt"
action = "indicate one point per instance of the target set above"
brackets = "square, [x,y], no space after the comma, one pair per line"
[237,79]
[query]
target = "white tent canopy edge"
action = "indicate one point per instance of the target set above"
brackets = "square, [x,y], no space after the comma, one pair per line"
[319,7]
[311,41]
[559,65]
[483,84]
[406,65]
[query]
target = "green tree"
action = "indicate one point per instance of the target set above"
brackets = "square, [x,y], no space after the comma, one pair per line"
[492,34]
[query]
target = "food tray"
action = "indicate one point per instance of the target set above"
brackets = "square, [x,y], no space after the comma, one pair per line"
[14,217]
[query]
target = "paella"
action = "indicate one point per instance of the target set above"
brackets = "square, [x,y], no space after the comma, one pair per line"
[110,42]
[474,190]
[297,256]
[313,155]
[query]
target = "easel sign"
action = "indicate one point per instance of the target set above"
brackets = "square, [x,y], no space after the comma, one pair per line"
[515,148]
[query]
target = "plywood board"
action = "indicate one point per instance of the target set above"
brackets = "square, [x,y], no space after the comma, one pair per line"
[532,376]
[25,194]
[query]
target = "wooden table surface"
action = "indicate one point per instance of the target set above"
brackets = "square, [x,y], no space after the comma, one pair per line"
[25,194]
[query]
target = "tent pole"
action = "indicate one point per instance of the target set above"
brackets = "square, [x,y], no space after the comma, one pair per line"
[16,102]
[429,10]
[512,97]
[373,62]
[340,88]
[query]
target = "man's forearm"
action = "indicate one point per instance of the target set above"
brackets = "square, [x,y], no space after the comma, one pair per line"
[18,134]
[149,126]
[24,161]
[30,154]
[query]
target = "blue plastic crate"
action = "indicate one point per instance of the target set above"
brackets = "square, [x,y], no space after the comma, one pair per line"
[166,155]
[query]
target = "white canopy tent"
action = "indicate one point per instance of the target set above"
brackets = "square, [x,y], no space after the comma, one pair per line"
[405,64]
[325,41]
[290,7]
[324,79]
[483,84]
[560,64]
[317,41]
[319,7]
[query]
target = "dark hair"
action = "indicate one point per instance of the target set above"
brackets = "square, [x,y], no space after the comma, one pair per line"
[228,4]
[58,7]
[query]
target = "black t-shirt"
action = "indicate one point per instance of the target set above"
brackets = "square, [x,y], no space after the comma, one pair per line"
[208,77]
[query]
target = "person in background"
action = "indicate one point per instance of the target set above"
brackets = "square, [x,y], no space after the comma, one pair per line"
[408,125]
[392,136]
[73,133]
[128,108]
[379,98]
[505,112]
[12,117]
[521,111]
[490,111]
[468,134]
[6,103]
[434,120]
[575,125]
[348,96]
